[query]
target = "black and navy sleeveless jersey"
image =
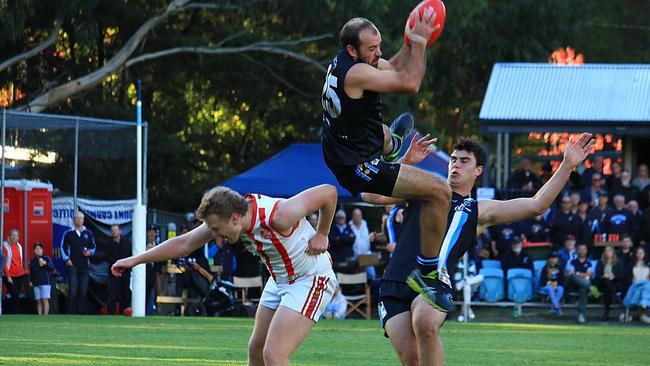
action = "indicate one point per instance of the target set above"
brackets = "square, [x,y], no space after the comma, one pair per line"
[460,237]
[353,128]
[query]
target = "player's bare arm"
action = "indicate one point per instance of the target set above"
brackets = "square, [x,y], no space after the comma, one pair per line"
[493,212]
[323,199]
[384,79]
[176,247]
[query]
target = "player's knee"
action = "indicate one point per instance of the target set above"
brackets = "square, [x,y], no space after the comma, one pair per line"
[409,358]
[427,328]
[273,356]
[256,350]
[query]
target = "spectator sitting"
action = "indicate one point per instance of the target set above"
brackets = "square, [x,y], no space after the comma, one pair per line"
[609,276]
[552,281]
[337,308]
[578,277]
[535,230]
[596,168]
[620,220]
[14,270]
[639,292]
[592,192]
[501,236]
[563,222]
[615,178]
[641,180]
[78,245]
[568,252]
[516,257]
[39,278]
[524,180]
[625,256]
[598,215]
[362,239]
[625,187]
[118,248]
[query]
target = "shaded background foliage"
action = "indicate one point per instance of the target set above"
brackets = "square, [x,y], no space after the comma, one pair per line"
[212,117]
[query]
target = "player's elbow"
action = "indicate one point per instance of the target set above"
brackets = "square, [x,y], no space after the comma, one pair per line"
[411,87]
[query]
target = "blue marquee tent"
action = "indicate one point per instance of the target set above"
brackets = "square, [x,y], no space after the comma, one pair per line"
[301,166]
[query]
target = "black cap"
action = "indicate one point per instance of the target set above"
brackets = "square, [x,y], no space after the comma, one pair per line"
[152,227]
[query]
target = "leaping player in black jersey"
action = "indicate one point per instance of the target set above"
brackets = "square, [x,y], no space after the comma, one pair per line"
[355,137]
[409,322]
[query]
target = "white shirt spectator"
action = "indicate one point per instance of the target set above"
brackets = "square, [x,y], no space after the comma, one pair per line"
[362,238]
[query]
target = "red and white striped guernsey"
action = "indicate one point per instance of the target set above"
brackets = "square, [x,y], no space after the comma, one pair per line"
[284,256]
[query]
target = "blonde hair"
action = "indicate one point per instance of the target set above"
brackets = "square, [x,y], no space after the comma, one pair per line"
[603,258]
[222,202]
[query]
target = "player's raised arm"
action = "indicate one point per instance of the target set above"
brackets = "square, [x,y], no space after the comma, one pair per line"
[493,212]
[176,247]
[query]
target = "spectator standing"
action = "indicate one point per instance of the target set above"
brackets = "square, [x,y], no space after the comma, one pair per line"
[78,244]
[362,239]
[592,192]
[391,225]
[578,277]
[609,276]
[641,181]
[40,268]
[563,222]
[14,269]
[552,281]
[118,287]
[341,238]
[153,269]
[625,257]
[523,181]
[584,234]
[624,186]
[596,168]
[615,178]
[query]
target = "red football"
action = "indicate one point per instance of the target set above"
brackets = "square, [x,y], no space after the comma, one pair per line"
[441,13]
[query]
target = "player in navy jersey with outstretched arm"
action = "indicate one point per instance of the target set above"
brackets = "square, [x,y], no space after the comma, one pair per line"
[410,323]
[360,149]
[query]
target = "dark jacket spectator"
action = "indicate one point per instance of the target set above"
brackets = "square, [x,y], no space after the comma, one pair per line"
[596,168]
[75,242]
[341,239]
[584,234]
[591,193]
[523,182]
[597,217]
[625,188]
[40,274]
[615,178]
[568,252]
[609,276]
[501,236]
[563,222]
[118,248]
[620,220]
[535,230]
[553,273]
[516,257]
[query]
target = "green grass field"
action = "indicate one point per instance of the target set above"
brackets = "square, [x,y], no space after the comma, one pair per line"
[84,340]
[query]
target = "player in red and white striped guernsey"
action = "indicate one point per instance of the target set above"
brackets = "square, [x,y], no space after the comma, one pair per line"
[295,254]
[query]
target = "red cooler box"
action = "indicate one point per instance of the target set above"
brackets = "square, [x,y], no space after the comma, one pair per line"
[28,208]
